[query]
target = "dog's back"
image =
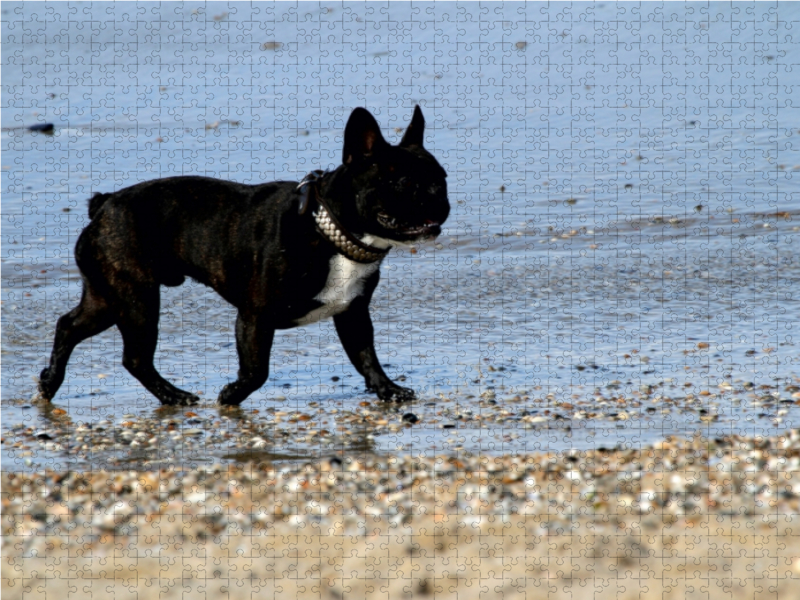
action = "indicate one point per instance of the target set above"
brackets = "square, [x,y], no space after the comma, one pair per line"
[163,230]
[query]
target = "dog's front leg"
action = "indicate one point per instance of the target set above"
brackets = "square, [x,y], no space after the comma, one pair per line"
[355,330]
[254,335]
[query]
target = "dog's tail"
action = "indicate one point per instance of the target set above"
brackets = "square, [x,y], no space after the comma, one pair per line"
[96,202]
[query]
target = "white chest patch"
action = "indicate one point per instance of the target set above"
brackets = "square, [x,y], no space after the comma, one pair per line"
[345,283]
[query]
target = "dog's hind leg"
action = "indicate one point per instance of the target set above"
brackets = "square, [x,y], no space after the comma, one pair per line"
[253,344]
[92,316]
[138,324]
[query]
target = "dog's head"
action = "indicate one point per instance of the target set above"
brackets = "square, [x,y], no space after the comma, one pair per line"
[400,191]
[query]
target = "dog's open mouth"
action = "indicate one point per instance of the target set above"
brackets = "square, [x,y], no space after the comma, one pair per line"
[429,229]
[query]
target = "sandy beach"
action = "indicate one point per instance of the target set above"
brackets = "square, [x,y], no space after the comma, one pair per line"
[693,518]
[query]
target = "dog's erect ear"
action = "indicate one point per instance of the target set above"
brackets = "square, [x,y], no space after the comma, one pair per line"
[362,136]
[414,134]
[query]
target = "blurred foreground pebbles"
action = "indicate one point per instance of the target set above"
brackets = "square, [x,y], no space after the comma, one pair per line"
[421,522]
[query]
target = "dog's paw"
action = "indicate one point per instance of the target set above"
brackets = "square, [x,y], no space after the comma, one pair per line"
[396,393]
[183,399]
[45,388]
[231,395]
[228,401]
[39,399]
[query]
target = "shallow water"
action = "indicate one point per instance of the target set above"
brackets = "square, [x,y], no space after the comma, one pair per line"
[625,203]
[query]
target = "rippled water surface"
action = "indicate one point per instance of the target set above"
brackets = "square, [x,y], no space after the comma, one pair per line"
[619,265]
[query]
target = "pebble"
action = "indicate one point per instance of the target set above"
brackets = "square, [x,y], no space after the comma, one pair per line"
[429,506]
[410,418]
[43,127]
[504,419]
[760,474]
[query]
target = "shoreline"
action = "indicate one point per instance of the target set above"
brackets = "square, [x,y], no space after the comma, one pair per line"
[114,437]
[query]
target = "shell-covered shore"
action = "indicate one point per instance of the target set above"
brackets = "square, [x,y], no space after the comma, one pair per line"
[699,518]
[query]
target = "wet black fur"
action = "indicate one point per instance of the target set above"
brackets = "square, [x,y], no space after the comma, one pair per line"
[250,244]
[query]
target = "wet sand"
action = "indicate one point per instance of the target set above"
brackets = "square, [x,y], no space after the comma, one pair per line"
[696,518]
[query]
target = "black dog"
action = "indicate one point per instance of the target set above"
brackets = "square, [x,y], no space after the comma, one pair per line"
[283,254]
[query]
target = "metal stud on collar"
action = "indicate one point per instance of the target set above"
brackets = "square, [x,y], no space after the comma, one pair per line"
[347,244]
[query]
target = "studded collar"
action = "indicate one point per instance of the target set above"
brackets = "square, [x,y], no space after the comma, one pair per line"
[330,227]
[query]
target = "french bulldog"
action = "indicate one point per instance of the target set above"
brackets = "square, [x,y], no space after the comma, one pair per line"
[284,254]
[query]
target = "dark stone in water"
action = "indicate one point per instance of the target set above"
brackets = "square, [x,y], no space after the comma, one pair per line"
[43,127]
[410,418]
